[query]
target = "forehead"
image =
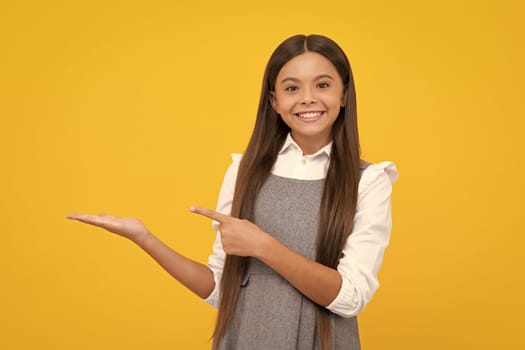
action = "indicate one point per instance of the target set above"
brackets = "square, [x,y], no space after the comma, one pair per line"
[307,65]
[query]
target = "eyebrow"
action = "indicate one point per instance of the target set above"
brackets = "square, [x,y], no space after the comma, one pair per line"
[316,78]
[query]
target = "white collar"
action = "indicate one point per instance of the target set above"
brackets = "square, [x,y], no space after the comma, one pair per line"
[290,143]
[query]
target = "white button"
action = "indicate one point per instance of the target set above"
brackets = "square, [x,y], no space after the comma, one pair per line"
[304,161]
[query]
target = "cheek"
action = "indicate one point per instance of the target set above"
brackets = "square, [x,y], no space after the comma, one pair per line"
[336,100]
[284,103]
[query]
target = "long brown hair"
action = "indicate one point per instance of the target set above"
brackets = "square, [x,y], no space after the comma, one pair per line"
[339,200]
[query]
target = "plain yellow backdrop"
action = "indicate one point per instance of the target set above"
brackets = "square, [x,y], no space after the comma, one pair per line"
[133,108]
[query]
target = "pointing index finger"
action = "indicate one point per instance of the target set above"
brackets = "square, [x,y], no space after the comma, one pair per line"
[212,214]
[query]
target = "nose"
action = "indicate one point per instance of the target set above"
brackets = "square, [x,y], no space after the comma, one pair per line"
[308,97]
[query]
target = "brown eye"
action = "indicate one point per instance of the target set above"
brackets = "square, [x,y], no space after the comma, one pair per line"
[323,85]
[291,88]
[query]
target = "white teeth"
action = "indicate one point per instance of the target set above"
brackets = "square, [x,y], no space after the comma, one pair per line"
[309,115]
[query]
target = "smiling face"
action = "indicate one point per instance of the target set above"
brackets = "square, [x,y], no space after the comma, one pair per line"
[308,96]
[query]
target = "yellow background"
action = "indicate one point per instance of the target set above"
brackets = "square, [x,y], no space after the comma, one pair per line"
[133,108]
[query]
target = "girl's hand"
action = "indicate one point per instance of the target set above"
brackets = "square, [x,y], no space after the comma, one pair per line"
[239,237]
[130,228]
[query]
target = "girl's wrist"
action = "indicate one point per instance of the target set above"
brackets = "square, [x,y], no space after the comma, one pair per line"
[265,246]
[142,239]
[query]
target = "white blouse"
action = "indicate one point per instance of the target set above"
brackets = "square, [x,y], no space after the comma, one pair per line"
[364,249]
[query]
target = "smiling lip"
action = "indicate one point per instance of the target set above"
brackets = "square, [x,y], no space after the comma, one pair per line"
[310,116]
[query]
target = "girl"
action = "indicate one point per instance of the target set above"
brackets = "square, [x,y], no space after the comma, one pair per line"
[302,222]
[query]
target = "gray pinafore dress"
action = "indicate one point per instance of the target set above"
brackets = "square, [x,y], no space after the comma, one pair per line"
[270,313]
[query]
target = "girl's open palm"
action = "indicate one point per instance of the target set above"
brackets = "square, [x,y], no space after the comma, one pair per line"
[130,228]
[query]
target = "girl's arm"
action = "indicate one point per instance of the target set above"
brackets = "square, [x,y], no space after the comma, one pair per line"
[318,282]
[195,276]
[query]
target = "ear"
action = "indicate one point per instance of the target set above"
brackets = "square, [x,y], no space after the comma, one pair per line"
[343,98]
[273,102]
